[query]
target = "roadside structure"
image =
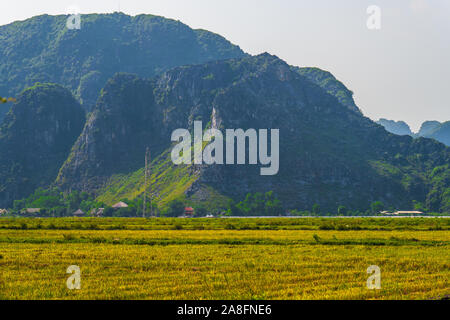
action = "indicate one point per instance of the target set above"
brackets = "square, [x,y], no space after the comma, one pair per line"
[78,213]
[120,205]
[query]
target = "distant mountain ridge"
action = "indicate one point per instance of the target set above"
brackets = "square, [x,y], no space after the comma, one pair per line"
[397,127]
[329,154]
[429,129]
[42,49]
[36,138]
[327,81]
[436,130]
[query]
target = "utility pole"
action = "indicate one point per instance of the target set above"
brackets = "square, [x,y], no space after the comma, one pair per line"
[146,179]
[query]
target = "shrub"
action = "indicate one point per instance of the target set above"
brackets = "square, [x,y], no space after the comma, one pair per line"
[178,227]
[316,209]
[68,237]
[176,208]
[326,227]
[230,226]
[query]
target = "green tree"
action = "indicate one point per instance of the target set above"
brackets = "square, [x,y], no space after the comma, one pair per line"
[201,211]
[108,212]
[176,208]
[125,212]
[419,206]
[342,210]
[272,206]
[233,209]
[377,207]
[258,204]
[316,209]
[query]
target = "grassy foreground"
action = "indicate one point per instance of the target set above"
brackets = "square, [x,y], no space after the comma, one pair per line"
[224,258]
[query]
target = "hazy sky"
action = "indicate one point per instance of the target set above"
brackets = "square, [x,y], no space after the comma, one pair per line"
[400,72]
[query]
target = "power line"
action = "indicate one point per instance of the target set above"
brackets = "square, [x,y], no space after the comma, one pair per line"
[147,172]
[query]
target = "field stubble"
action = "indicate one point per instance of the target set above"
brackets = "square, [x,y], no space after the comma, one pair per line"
[223,264]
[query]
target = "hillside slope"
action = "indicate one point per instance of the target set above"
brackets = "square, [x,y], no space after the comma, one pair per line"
[436,130]
[429,129]
[42,49]
[36,138]
[331,85]
[396,127]
[329,154]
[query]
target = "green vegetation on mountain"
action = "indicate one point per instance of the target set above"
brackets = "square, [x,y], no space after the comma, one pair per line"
[42,49]
[257,204]
[36,138]
[167,182]
[142,77]
[330,156]
[330,84]
[53,202]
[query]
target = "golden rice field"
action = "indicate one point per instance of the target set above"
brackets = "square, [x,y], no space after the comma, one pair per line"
[302,262]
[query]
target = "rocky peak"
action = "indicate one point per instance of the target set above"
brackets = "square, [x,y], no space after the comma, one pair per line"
[36,138]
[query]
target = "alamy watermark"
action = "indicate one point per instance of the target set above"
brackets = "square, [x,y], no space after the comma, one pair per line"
[374,281]
[74,20]
[74,281]
[213,153]
[374,20]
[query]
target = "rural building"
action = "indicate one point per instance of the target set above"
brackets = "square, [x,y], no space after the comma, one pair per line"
[407,212]
[189,211]
[120,205]
[399,213]
[32,210]
[78,213]
[97,212]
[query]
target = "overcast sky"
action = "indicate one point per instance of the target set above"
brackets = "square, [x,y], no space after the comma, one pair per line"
[400,72]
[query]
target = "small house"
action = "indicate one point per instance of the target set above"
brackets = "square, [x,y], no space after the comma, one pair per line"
[407,212]
[78,213]
[120,205]
[32,210]
[97,212]
[189,211]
